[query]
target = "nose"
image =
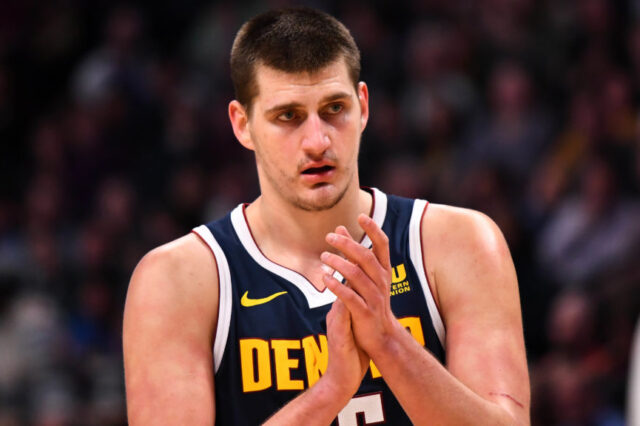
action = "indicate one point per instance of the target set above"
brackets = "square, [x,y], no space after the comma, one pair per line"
[315,140]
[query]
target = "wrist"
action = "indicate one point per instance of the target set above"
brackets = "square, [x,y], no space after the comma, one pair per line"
[331,391]
[391,344]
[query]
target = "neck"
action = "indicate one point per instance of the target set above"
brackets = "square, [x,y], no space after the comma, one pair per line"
[281,229]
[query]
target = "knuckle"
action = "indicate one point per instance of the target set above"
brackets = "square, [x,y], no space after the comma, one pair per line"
[343,241]
[357,252]
[379,298]
[351,270]
[350,297]
[369,256]
[359,274]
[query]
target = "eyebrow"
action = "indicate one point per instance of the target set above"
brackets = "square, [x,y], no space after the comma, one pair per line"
[282,107]
[336,96]
[292,105]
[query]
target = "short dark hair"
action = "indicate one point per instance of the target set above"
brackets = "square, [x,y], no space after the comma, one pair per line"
[290,40]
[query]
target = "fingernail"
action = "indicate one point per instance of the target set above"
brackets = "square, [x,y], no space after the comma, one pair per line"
[331,237]
[326,268]
[324,256]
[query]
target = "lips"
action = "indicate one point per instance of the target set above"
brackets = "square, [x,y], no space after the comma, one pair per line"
[317,170]
[318,173]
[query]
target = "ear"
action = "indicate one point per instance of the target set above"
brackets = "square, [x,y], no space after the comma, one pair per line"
[240,122]
[363,98]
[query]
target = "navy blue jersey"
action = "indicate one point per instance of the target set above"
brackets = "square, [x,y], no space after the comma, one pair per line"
[271,343]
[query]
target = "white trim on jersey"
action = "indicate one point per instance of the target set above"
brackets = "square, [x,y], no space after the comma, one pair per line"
[379,212]
[415,252]
[314,297]
[225,299]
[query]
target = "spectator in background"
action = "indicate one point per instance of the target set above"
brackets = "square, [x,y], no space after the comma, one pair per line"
[560,167]
[592,231]
[118,64]
[571,384]
[514,132]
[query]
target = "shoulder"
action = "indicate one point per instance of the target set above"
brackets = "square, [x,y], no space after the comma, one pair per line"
[451,228]
[179,258]
[176,278]
[461,224]
[463,250]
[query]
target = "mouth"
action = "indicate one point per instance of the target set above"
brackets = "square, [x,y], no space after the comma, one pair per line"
[318,170]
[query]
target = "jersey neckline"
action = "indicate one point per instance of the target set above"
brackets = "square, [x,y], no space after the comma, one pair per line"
[315,297]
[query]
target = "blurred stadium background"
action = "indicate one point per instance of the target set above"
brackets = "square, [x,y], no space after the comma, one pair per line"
[114,139]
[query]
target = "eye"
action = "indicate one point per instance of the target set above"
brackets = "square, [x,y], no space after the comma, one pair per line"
[287,116]
[335,108]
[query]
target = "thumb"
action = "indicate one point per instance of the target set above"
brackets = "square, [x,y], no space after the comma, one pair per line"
[340,313]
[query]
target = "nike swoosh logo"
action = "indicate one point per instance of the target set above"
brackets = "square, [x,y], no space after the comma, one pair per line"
[245,301]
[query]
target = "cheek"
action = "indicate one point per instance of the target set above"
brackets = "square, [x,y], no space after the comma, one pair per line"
[345,128]
[345,121]
[351,135]
[275,157]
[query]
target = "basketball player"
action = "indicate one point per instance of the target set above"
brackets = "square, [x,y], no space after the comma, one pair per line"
[322,301]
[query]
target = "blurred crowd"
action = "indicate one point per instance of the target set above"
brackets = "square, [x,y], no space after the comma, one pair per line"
[114,138]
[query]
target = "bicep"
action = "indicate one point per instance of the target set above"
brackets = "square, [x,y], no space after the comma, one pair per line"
[478,292]
[167,348]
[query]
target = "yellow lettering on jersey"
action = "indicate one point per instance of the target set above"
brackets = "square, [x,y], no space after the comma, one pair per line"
[415,328]
[375,373]
[284,364]
[316,358]
[398,274]
[255,352]
[400,288]
[413,325]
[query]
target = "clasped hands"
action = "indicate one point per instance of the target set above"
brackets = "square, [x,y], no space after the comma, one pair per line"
[360,323]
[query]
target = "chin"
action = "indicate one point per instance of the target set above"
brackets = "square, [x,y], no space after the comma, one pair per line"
[323,198]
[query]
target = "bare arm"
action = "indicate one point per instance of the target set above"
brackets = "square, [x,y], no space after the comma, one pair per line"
[169,322]
[478,293]
[486,377]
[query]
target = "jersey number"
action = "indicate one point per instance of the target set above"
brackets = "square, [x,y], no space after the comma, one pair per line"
[370,406]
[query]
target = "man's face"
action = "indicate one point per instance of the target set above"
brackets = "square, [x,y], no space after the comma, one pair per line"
[305,130]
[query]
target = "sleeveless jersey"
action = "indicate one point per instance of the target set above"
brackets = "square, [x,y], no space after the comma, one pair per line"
[270,342]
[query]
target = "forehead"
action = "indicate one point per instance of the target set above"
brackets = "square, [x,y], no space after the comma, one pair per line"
[275,86]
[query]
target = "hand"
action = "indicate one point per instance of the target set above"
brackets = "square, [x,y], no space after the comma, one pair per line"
[347,362]
[367,293]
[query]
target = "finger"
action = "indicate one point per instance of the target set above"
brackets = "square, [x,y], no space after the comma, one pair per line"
[350,299]
[359,255]
[339,309]
[379,240]
[338,315]
[342,230]
[327,269]
[356,278]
